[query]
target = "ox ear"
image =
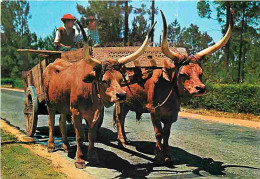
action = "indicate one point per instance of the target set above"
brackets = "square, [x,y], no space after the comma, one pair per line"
[90,77]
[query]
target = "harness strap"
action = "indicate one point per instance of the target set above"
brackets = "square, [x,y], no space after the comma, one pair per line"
[158,105]
[124,78]
[166,99]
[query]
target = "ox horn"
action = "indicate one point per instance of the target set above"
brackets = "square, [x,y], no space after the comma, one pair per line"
[86,48]
[215,47]
[165,48]
[140,51]
[220,44]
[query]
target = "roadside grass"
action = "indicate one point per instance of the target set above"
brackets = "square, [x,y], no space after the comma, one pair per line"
[19,162]
[212,112]
[5,136]
[14,83]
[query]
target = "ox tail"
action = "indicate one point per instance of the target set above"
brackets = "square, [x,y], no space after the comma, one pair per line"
[114,118]
[46,81]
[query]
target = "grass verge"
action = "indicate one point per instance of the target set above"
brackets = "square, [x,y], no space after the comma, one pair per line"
[19,162]
[15,83]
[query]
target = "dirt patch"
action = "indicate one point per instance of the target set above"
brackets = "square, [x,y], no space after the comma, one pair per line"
[212,112]
[6,87]
[234,121]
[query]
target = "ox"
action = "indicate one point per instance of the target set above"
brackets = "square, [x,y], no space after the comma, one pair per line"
[82,89]
[163,93]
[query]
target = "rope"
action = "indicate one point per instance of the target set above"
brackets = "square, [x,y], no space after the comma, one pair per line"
[159,105]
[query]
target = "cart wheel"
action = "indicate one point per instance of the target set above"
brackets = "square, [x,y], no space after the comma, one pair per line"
[30,111]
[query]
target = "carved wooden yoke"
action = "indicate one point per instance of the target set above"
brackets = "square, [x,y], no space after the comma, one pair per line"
[152,57]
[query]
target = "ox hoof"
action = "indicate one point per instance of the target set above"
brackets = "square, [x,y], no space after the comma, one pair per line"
[80,165]
[121,143]
[127,141]
[51,149]
[168,157]
[168,161]
[93,157]
[66,148]
[159,159]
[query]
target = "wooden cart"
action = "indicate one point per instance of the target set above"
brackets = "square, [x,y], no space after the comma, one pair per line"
[35,103]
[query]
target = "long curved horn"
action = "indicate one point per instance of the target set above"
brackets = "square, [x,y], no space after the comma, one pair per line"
[215,47]
[139,52]
[218,45]
[86,49]
[85,38]
[165,48]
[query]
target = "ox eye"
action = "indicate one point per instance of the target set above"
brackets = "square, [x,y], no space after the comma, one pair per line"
[185,76]
[105,82]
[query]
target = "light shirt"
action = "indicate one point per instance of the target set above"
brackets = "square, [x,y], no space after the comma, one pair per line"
[92,33]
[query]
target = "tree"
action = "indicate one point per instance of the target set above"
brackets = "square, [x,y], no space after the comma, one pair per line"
[190,38]
[140,24]
[247,16]
[110,19]
[48,42]
[15,34]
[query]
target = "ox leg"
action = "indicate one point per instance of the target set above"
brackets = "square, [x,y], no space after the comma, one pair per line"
[92,135]
[77,121]
[166,135]
[120,112]
[51,145]
[125,110]
[159,157]
[63,130]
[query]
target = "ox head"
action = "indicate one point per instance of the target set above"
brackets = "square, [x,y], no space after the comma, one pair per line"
[187,77]
[107,74]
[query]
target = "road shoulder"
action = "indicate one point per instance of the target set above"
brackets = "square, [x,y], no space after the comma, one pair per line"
[232,121]
[58,161]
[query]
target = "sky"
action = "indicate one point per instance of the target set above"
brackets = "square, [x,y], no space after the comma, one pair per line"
[46,16]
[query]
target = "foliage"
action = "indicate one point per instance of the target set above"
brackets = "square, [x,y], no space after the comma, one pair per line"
[16,83]
[48,42]
[243,98]
[109,16]
[140,25]
[240,54]
[190,38]
[15,34]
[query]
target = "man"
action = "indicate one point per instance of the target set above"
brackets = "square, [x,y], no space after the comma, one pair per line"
[92,31]
[66,35]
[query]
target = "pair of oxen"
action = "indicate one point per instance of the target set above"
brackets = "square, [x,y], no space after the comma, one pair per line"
[82,89]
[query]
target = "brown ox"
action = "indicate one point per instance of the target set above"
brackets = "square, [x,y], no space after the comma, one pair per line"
[162,93]
[82,89]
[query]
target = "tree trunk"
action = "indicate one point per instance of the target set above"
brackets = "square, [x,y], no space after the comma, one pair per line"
[226,49]
[244,57]
[126,24]
[240,47]
[153,11]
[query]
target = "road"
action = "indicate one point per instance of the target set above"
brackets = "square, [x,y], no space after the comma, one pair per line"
[235,150]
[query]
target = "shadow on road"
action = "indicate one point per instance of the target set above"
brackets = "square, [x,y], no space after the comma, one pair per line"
[110,160]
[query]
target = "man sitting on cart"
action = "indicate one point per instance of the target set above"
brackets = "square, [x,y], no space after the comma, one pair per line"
[91,31]
[65,38]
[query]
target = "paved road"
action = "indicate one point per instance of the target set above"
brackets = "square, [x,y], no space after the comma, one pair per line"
[235,150]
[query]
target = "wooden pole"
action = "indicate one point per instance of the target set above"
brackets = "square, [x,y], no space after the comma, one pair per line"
[153,12]
[126,24]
